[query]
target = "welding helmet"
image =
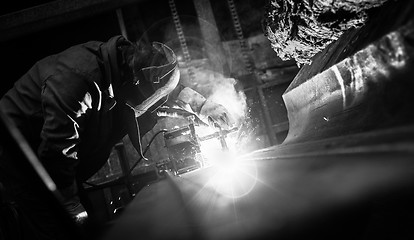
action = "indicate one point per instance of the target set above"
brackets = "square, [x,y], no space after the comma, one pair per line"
[154,81]
[155,75]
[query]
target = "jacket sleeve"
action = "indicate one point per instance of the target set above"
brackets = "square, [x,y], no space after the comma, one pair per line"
[206,110]
[66,102]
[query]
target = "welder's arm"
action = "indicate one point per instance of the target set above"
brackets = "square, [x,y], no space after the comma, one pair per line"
[64,109]
[207,110]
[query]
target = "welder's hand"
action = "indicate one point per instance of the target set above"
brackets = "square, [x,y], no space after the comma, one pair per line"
[76,210]
[214,113]
[73,206]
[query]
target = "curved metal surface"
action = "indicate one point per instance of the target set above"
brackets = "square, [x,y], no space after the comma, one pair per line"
[312,196]
[369,90]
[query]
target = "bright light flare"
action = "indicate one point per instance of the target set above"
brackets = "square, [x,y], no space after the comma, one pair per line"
[232,176]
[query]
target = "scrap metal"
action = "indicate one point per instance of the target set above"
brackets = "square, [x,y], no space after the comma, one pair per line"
[300,29]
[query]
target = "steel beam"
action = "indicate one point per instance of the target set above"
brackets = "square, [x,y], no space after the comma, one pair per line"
[211,35]
[51,14]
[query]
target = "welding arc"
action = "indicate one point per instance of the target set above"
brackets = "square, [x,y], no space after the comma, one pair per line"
[146,149]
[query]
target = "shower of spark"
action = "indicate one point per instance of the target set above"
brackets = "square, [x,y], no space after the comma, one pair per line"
[232,176]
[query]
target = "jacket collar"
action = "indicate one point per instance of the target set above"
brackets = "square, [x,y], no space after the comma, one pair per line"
[112,71]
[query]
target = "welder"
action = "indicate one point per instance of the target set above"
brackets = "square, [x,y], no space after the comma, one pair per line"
[73,107]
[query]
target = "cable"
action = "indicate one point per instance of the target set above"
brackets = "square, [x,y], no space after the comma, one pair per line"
[140,157]
[91,184]
[141,153]
[146,149]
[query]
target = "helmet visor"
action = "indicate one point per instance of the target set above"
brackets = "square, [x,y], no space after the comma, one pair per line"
[159,78]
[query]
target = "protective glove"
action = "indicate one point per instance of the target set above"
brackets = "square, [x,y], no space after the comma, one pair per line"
[71,202]
[215,115]
[76,210]
[206,110]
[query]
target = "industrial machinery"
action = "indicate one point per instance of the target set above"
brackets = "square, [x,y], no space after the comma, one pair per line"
[183,150]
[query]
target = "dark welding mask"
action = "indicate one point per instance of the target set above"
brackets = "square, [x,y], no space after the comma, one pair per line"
[156,81]
[150,89]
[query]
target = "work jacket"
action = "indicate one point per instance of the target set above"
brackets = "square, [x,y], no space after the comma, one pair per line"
[65,108]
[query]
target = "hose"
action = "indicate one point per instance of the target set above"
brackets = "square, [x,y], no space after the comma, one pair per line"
[139,159]
[146,149]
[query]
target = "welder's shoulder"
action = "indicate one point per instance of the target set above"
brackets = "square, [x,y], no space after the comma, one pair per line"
[71,74]
[80,60]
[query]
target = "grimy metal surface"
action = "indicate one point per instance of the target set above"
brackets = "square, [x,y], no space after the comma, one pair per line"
[296,192]
[368,90]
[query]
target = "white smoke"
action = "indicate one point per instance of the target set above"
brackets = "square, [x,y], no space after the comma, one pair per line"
[218,88]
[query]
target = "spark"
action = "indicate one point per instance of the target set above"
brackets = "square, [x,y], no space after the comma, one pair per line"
[231,175]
